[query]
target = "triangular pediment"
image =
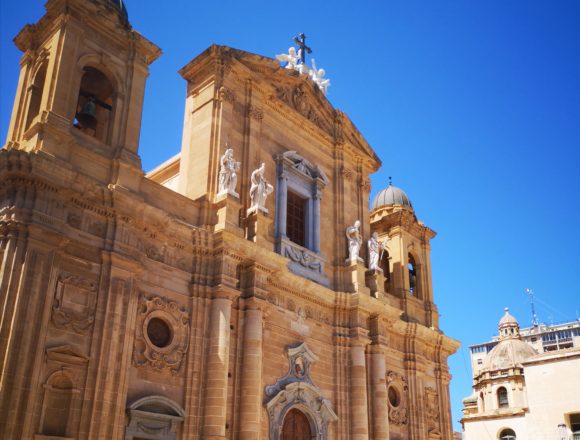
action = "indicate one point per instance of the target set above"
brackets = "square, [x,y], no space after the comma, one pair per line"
[293,94]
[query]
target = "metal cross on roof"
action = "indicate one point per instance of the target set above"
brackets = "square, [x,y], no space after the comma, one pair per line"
[300,40]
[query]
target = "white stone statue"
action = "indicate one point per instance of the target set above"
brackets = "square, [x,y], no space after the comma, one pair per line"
[317,76]
[259,190]
[228,176]
[293,60]
[376,249]
[354,242]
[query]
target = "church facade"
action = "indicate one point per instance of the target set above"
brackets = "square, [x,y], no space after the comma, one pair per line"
[227,293]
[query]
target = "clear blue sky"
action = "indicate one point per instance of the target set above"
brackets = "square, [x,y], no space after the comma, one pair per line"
[474,108]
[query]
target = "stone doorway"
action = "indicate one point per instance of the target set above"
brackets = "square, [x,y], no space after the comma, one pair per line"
[296,426]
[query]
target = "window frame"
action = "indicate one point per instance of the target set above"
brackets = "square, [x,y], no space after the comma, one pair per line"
[297,175]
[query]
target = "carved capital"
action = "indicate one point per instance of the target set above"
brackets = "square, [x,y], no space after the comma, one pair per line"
[255,112]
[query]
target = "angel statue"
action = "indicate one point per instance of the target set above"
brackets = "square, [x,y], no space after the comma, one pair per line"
[291,58]
[228,176]
[259,190]
[317,75]
[376,250]
[354,242]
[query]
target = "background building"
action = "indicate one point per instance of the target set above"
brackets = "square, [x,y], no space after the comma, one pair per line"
[159,306]
[525,384]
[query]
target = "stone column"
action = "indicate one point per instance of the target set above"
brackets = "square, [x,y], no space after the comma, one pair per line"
[251,381]
[359,416]
[216,394]
[380,402]
[281,203]
[316,222]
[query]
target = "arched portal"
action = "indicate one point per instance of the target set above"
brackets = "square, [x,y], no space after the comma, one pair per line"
[296,426]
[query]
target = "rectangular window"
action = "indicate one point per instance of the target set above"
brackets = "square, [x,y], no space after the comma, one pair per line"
[295,215]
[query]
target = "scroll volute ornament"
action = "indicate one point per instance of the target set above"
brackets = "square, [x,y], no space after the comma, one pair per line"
[161,339]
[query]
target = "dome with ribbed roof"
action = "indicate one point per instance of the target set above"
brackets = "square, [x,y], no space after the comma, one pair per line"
[392,196]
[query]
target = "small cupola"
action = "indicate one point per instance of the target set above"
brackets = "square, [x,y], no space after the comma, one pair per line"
[508,327]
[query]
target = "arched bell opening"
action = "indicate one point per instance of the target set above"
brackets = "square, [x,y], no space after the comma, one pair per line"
[385,265]
[413,278]
[35,94]
[94,110]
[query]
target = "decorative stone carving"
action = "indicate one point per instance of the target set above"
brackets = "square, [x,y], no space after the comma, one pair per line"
[228,176]
[298,100]
[255,112]
[354,242]
[296,390]
[432,404]
[225,94]
[161,339]
[303,257]
[397,390]
[259,190]
[154,417]
[74,304]
[300,326]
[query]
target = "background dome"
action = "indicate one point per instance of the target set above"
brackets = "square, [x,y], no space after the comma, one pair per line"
[507,354]
[391,196]
[120,5]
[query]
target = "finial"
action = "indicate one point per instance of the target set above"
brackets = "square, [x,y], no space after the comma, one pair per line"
[390,181]
[507,309]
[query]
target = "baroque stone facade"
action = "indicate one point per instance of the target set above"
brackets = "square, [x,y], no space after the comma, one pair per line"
[152,306]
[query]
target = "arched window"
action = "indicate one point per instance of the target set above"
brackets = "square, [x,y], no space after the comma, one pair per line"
[502,398]
[507,434]
[94,112]
[482,400]
[56,407]
[296,426]
[35,93]
[412,267]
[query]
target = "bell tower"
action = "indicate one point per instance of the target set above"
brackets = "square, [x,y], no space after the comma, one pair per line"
[407,266]
[81,86]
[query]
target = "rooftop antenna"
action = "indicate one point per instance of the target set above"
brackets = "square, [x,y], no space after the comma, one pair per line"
[530,293]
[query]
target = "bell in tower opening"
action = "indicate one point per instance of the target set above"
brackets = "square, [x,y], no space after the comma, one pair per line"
[95,104]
